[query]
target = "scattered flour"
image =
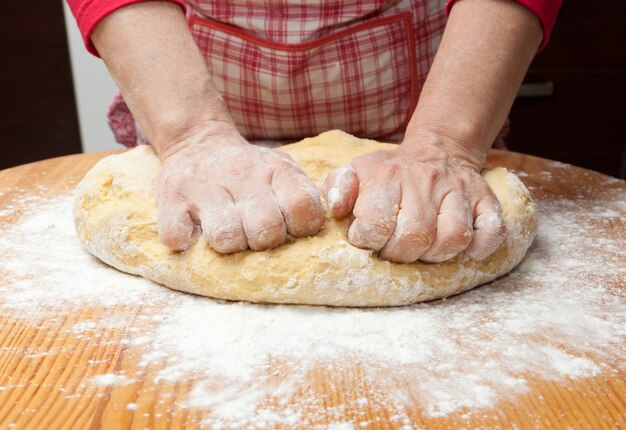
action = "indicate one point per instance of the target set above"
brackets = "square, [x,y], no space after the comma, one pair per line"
[561,314]
[110,379]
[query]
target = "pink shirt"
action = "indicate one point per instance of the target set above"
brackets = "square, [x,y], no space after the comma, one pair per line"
[298,69]
[89,12]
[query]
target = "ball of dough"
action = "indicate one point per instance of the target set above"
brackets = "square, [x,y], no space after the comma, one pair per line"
[115,218]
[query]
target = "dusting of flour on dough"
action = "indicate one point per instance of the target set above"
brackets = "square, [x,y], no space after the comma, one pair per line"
[117,224]
[560,315]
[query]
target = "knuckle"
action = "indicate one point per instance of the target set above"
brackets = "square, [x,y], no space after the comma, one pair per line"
[431,173]
[228,238]
[292,170]
[419,238]
[174,226]
[225,234]
[392,254]
[458,186]
[304,203]
[391,168]
[495,225]
[410,242]
[399,252]
[371,233]
[488,241]
[175,239]
[501,230]
[384,171]
[306,224]
[379,226]
[459,234]
[484,189]
[491,222]
[482,251]
[270,156]
[267,232]
[302,210]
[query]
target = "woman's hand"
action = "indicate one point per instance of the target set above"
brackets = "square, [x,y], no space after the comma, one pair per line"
[242,195]
[426,200]
[417,202]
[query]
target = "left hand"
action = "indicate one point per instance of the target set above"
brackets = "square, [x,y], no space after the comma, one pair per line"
[417,202]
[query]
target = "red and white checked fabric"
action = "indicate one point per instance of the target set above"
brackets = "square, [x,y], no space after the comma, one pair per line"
[361,79]
[291,69]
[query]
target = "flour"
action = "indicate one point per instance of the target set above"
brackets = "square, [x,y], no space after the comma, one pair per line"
[110,379]
[561,314]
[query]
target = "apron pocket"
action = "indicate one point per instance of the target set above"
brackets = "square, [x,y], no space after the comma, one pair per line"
[362,80]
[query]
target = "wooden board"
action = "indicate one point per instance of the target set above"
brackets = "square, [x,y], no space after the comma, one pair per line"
[50,391]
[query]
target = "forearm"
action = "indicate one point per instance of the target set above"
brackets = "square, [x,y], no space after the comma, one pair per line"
[485,51]
[155,62]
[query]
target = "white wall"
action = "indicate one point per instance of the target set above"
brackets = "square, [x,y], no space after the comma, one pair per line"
[93,87]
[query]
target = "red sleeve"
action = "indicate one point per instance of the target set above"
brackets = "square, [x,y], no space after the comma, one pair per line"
[546,11]
[88,14]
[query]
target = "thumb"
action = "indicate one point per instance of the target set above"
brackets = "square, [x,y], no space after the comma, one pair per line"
[340,190]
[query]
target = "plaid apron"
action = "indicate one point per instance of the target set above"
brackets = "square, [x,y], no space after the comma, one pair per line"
[295,68]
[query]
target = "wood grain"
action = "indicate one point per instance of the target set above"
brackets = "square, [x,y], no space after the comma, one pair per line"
[44,391]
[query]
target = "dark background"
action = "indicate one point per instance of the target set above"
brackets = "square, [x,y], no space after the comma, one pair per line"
[584,121]
[575,112]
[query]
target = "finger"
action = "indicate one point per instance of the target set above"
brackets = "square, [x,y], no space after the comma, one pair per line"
[176,228]
[454,228]
[299,201]
[489,228]
[220,221]
[340,190]
[376,207]
[261,218]
[415,225]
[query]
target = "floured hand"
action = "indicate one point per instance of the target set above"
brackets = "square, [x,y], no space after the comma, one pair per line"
[243,196]
[412,204]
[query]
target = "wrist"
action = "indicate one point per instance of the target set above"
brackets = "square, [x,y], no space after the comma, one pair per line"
[206,134]
[436,144]
[194,108]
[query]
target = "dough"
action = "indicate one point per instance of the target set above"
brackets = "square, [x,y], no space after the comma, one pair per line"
[115,218]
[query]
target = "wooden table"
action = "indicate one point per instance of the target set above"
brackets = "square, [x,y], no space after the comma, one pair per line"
[51,392]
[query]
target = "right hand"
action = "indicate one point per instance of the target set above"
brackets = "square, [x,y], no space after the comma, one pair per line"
[243,196]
